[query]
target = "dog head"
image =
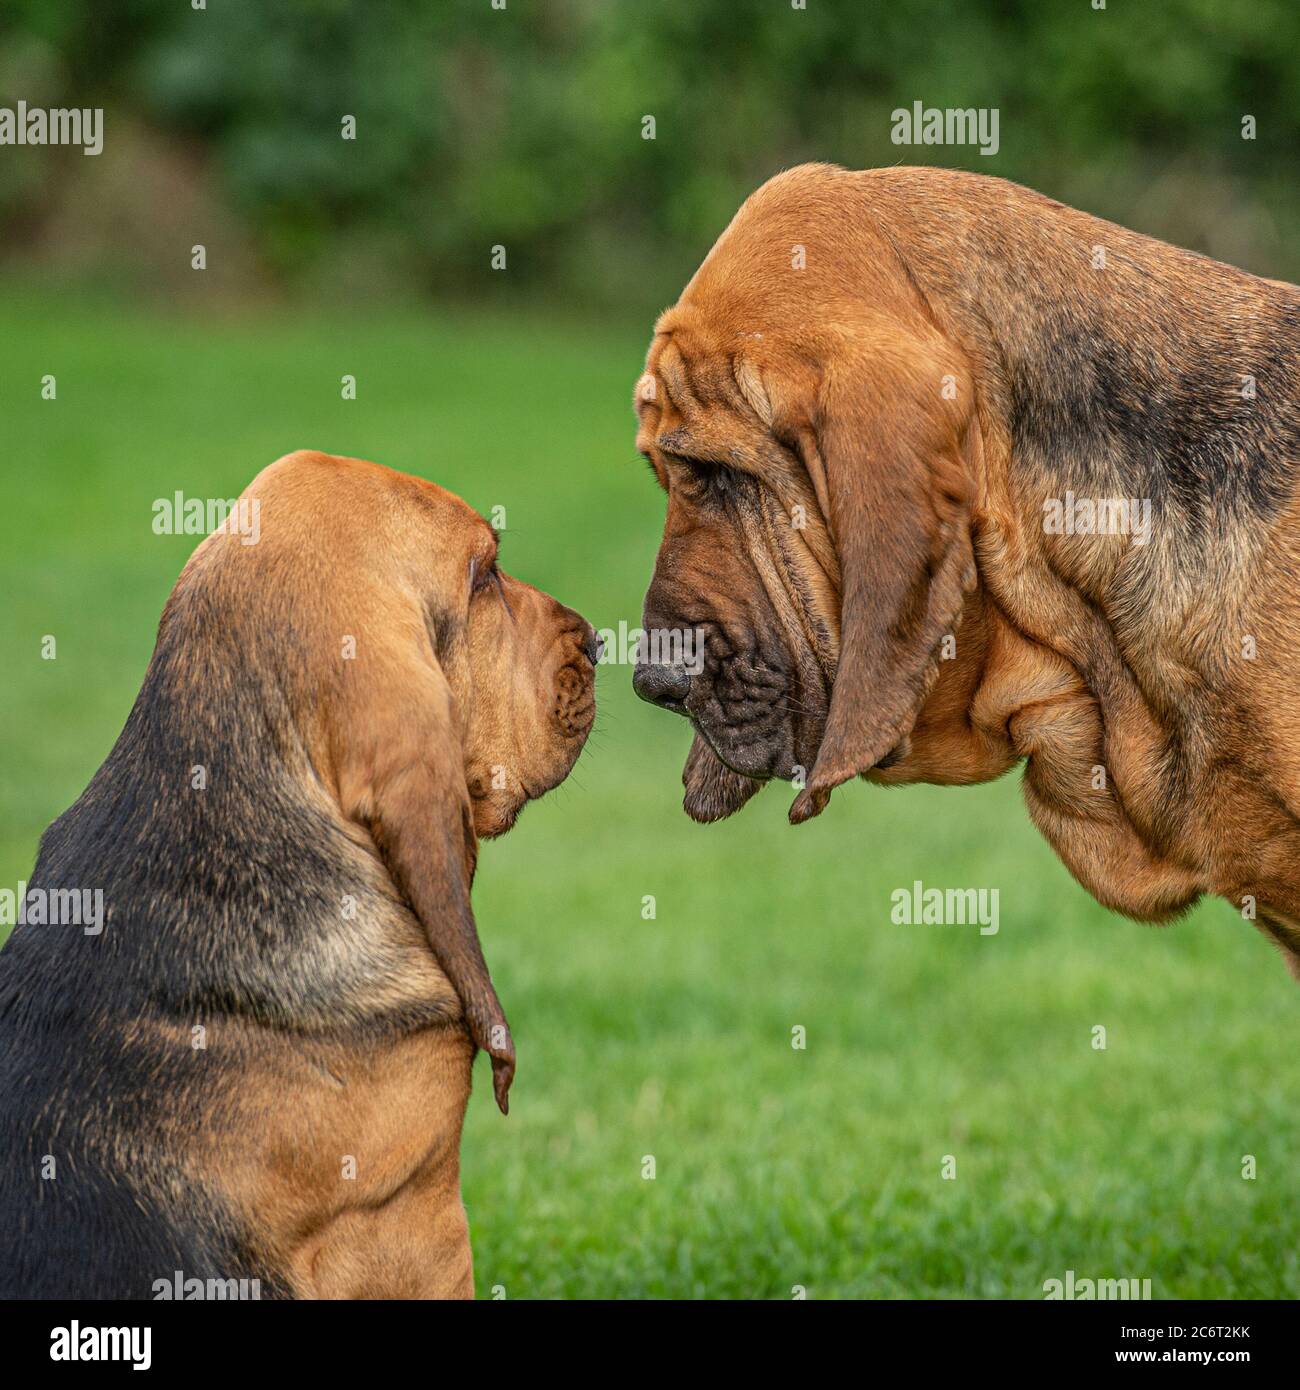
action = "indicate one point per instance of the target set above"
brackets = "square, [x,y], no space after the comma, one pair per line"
[814,431]
[432,694]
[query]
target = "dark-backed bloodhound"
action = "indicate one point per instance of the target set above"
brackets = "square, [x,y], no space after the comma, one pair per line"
[959,476]
[257,1066]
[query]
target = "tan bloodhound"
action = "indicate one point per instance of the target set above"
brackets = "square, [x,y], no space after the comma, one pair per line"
[960,477]
[258,1067]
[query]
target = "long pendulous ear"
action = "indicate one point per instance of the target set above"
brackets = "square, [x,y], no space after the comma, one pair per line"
[402,775]
[891,447]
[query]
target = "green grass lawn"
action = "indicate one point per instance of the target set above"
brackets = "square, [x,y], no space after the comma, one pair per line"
[671,1037]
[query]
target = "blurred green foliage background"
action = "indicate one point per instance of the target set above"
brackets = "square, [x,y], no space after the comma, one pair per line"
[522,127]
[668,1037]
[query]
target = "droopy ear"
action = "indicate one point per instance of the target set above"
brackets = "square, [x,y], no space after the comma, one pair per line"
[401,769]
[892,454]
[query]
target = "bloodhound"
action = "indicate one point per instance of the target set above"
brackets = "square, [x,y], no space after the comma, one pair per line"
[257,1068]
[959,476]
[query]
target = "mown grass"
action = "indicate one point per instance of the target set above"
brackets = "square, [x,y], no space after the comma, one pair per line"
[671,1037]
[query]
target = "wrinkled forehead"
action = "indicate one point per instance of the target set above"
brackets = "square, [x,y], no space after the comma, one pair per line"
[701,397]
[683,382]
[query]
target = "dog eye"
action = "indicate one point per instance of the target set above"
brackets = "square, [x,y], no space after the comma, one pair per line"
[481,577]
[710,479]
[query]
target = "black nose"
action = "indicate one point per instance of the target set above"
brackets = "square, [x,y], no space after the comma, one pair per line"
[594,646]
[661,683]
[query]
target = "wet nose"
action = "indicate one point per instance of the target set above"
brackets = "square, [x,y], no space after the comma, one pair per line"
[593,646]
[661,683]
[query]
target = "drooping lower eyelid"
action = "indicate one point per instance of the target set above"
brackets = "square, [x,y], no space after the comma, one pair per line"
[710,475]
